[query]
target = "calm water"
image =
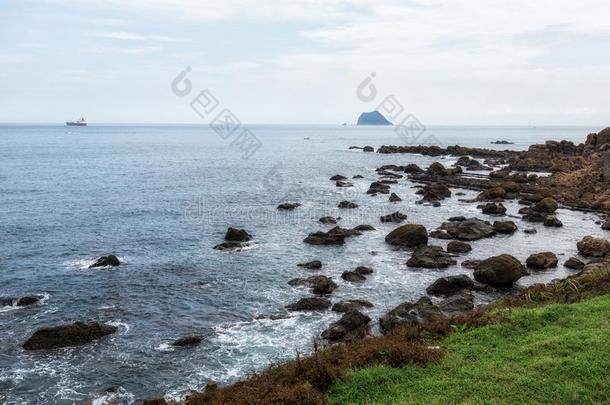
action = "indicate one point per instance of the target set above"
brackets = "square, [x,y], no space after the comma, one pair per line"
[160,197]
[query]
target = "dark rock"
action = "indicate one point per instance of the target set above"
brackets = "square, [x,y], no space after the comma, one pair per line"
[434,192]
[456,246]
[155,401]
[25,301]
[499,271]
[328,220]
[325,238]
[458,218]
[347,204]
[437,169]
[530,231]
[358,176]
[105,261]
[493,193]
[542,260]
[457,303]
[309,304]
[230,246]
[237,235]
[505,227]
[430,257]
[590,246]
[552,221]
[7,301]
[574,263]
[364,228]
[413,168]
[187,341]
[353,277]
[378,187]
[288,206]
[338,177]
[409,314]
[468,230]
[352,325]
[450,285]
[470,264]
[493,208]
[364,270]
[76,334]
[394,198]
[368,149]
[340,183]
[394,217]
[318,284]
[347,305]
[408,235]
[312,265]
[547,205]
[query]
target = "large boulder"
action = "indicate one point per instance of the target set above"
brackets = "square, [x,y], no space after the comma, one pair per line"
[318,284]
[504,227]
[450,285]
[76,334]
[408,235]
[547,205]
[456,246]
[457,303]
[393,217]
[378,187]
[468,230]
[27,301]
[410,313]
[437,169]
[499,271]
[237,235]
[106,261]
[309,304]
[492,208]
[590,246]
[187,341]
[574,263]
[542,260]
[353,276]
[431,257]
[348,305]
[352,325]
[434,192]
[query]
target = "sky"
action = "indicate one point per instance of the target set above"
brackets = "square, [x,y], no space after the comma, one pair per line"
[447,62]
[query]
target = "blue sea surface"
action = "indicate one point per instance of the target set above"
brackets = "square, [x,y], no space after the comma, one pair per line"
[160,197]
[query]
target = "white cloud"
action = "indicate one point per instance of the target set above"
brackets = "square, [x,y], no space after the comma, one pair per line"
[126,51]
[132,36]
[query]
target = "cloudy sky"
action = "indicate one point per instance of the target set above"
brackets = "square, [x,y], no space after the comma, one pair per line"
[514,62]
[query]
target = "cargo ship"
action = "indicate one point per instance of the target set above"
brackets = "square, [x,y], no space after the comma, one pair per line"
[79,123]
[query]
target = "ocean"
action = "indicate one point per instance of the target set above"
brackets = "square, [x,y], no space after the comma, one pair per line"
[160,197]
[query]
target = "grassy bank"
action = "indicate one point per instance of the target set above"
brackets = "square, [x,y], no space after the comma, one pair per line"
[555,354]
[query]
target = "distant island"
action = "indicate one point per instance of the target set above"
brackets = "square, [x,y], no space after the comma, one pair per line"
[502,142]
[372,118]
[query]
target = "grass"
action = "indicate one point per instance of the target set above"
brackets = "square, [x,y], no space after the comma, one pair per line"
[558,353]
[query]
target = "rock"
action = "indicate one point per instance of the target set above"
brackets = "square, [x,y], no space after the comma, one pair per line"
[348,305]
[353,277]
[502,142]
[543,260]
[493,208]
[312,265]
[547,205]
[408,235]
[606,225]
[574,263]
[325,238]
[25,301]
[456,246]
[378,187]
[450,285]
[7,301]
[437,169]
[394,198]
[372,118]
[338,177]
[328,220]
[499,271]
[230,246]
[552,221]
[413,168]
[368,149]
[430,257]
[364,270]
[358,176]
[434,192]
[309,304]
[458,218]
[75,334]
[492,194]
[394,217]
[504,227]
[288,206]
[352,325]
[457,303]
[470,264]
[340,183]
[318,284]
[590,246]
[530,231]
[364,227]
[155,401]
[187,341]
[409,314]
[237,235]
[469,229]
[106,261]
[347,204]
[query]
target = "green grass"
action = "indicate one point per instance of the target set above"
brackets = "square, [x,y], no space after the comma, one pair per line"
[555,354]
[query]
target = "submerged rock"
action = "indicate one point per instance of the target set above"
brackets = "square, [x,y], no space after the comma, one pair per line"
[338,177]
[352,325]
[75,334]
[328,220]
[309,304]
[456,246]
[499,271]
[26,301]
[347,204]
[409,235]
[394,198]
[353,277]
[312,265]
[318,284]
[450,285]
[187,341]
[288,206]
[106,261]
[393,217]
[347,305]
[364,228]
[431,257]
[542,260]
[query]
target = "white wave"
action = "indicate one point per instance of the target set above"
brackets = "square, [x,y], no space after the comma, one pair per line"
[84,263]
[121,325]
[118,396]
[165,347]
